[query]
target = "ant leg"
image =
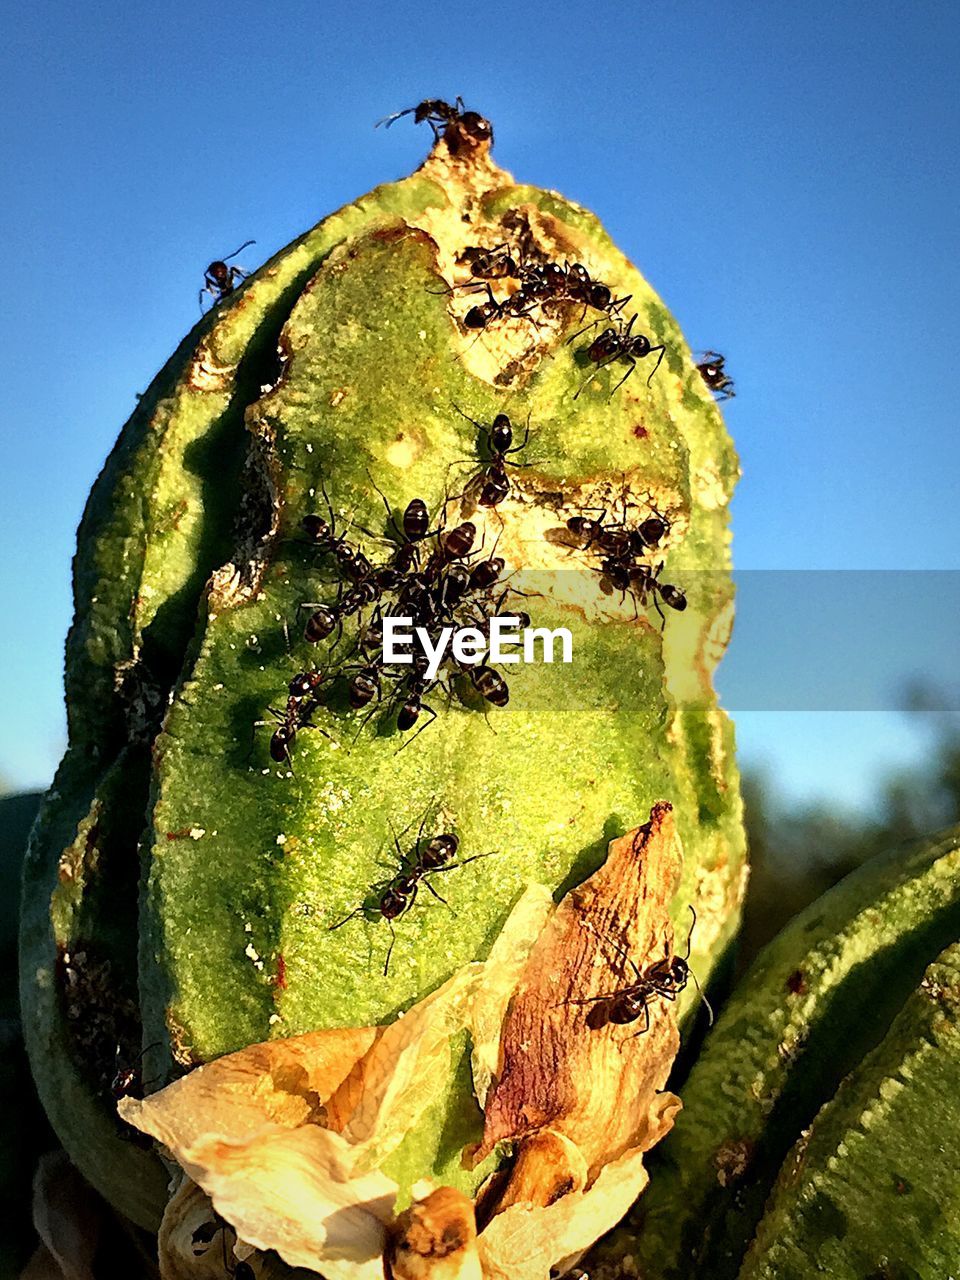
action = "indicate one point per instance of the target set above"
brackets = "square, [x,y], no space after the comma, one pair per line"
[423,823]
[393,938]
[452,866]
[602,365]
[656,605]
[606,995]
[522,445]
[662,349]
[433,716]
[355,912]
[586,328]
[620,951]
[439,896]
[633,365]
[477,424]
[643,1030]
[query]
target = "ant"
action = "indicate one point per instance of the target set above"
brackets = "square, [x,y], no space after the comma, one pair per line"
[665,978]
[711,370]
[573,280]
[489,684]
[302,701]
[497,263]
[414,528]
[322,533]
[440,115]
[618,541]
[492,480]
[219,280]
[398,895]
[128,1076]
[645,582]
[518,304]
[621,344]
[413,705]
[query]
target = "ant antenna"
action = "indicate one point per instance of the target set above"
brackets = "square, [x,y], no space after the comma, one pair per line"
[620,951]
[700,992]
[245,245]
[690,934]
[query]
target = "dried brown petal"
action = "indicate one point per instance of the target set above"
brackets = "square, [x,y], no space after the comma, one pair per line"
[192,1244]
[253,1130]
[399,1071]
[435,1238]
[593,1084]
[547,1167]
[525,1241]
[501,973]
[280,1082]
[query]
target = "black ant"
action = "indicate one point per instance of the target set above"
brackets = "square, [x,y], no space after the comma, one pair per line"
[322,534]
[412,706]
[364,686]
[645,582]
[302,701]
[414,528]
[518,304]
[621,344]
[497,263]
[665,978]
[440,115]
[399,894]
[458,543]
[617,541]
[712,371]
[492,480]
[485,575]
[573,280]
[219,280]
[489,684]
[128,1076]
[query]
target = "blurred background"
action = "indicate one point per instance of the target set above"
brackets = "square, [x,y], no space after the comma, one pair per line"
[787,178]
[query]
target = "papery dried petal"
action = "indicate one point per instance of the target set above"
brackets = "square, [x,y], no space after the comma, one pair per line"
[501,973]
[435,1238]
[526,1241]
[592,1083]
[253,1130]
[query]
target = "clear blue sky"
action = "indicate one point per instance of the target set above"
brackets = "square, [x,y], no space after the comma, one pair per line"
[786,176]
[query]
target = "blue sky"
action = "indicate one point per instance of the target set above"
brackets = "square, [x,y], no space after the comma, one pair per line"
[786,176]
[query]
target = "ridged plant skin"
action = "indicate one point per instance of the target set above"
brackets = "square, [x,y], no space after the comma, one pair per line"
[189,573]
[816,1005]
[873,1188]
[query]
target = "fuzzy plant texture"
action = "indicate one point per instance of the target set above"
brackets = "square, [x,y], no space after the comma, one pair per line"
[181,881]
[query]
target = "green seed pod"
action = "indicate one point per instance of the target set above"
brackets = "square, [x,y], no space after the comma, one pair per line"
[818,999]
[348,371]
[872,1188]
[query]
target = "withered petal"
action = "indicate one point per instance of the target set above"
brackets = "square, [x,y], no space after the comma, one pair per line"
[501,973]
[526,1241]
[435,1239]
[593,1084]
